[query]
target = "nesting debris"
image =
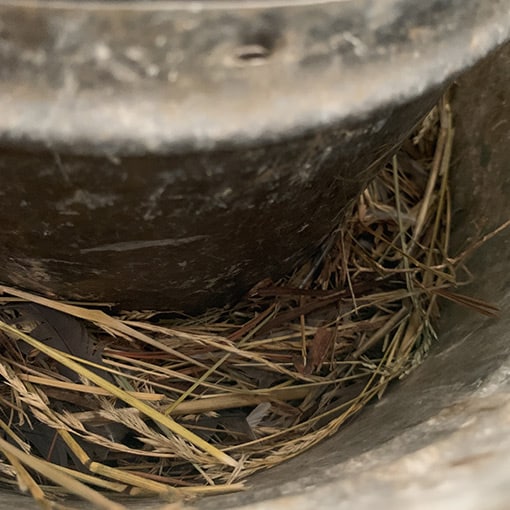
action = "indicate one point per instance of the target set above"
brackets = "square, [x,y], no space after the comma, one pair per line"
[143,405]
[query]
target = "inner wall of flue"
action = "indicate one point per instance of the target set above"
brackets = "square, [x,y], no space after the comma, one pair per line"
[447,419]
[455,407]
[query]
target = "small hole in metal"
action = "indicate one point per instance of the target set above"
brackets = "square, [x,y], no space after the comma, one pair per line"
[252,54]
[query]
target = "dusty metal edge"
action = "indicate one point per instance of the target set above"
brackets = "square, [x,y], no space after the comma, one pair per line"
[140,127]
[169,5]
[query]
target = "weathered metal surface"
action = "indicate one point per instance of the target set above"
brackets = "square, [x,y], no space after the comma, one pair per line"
[148,76]
[181,231]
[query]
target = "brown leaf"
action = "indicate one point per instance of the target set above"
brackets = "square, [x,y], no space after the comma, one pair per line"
[58,330]
[227,426]
[300,366]
[46,442]
[322,344]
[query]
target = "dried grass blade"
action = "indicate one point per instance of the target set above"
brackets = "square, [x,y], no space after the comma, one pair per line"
[252,326]
[381,332]
[94,480]
[49,471]
[150,486]
[8,431]
[431,184]
[26,482]
[81,388]
[171,408]
[122,395]
[487,237]
[475,304]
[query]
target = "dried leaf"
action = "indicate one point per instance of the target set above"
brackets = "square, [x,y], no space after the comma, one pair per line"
[228,426]
[47,443]
[258,414]
[57,330]
[322,344]
[300,364]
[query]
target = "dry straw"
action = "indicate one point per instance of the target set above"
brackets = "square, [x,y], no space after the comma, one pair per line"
[136,403]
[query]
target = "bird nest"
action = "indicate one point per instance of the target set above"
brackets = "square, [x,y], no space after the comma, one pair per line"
[96,403]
